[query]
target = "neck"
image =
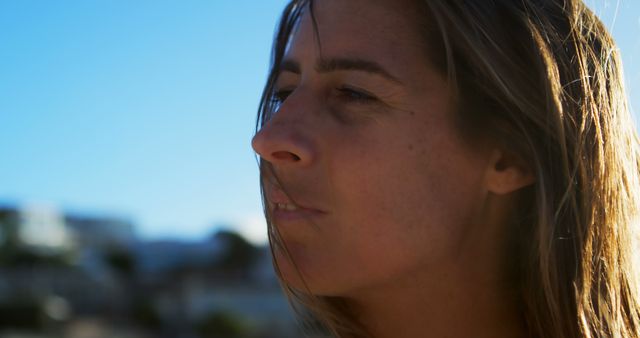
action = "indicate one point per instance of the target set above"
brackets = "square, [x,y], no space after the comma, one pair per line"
[455,306]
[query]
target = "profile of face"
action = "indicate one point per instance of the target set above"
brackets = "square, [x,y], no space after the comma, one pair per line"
[376,186]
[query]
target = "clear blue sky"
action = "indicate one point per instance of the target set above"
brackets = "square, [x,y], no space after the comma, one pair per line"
[145,109]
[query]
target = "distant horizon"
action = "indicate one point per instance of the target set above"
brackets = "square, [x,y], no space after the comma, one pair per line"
[72,213]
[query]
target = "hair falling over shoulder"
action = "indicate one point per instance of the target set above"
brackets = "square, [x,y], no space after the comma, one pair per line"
[544,78]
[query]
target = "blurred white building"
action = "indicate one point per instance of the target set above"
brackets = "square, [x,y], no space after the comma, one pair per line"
[43,227]
[101,232]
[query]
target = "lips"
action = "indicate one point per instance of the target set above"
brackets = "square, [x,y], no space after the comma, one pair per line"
[276,196]
[283,209]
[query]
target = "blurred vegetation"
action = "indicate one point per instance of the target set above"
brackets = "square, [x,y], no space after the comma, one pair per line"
[21,313]
[223,324]
[239,254]
[146,315]
[120,260]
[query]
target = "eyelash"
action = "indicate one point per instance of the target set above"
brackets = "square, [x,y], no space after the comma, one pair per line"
[280,96]
[356,95]
[346,93]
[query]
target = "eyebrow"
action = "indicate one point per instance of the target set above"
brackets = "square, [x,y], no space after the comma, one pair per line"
[341,64]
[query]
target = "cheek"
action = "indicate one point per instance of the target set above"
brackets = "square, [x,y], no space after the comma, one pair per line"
[408,183]
[405,207]
[390,210]
[398,207]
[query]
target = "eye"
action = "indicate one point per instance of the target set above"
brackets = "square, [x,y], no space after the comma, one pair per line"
[278,98]
[356,95]
[280,95]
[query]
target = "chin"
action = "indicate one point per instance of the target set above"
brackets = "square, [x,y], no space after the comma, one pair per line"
[304,279]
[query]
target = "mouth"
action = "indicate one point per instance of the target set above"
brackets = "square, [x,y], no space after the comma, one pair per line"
[284,209]
[279,202]
[284,206]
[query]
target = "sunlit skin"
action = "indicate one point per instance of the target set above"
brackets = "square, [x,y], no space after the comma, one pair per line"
[396,212]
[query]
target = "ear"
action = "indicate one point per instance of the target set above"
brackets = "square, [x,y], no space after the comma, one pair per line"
[506,173]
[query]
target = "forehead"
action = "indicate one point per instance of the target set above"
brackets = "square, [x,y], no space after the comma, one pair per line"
[385,30]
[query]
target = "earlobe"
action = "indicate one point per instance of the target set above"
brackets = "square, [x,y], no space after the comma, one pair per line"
[506,173]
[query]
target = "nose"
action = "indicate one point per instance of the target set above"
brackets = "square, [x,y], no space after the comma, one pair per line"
[283,143]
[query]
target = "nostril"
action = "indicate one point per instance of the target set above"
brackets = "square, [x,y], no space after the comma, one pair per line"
[285,155]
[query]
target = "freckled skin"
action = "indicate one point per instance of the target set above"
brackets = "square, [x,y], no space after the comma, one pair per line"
[399,185]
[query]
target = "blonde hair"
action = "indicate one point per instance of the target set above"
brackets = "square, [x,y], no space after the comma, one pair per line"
[544,79]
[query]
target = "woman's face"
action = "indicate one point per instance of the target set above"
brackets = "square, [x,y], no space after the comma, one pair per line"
[366,148]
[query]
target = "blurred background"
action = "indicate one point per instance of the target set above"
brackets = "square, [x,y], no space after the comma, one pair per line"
[129,200]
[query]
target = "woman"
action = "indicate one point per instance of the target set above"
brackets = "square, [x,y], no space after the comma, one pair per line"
[451,169]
